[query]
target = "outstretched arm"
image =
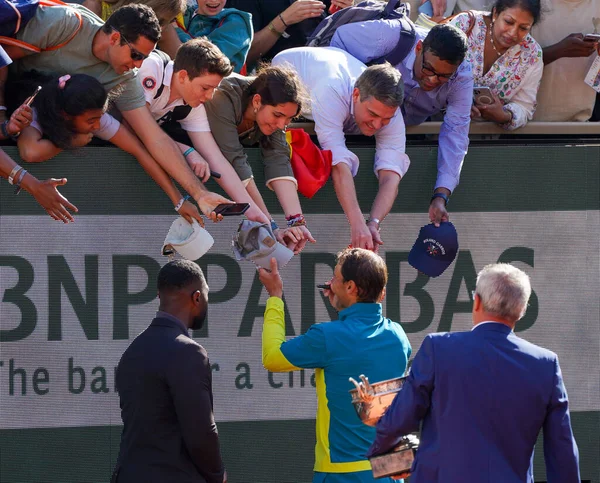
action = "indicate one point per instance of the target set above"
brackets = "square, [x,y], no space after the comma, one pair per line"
[44,192]
[205,144]
[305,351]
[129,143]
[164,150]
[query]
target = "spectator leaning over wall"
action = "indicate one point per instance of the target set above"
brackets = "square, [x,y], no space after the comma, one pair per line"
[346,97]
[44,192]
[505,58]
[175,93]
[435,79]
[563,95]
[255,111]
[68,112]
[109,52]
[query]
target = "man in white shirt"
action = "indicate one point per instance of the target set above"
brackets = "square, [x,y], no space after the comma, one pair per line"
[347,97]
[175,92]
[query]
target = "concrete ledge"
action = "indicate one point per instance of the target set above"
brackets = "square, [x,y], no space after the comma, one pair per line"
[482,128]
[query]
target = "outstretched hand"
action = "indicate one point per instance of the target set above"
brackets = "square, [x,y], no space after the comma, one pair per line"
[207,203]
[190,212]
[271,279]
[55,204]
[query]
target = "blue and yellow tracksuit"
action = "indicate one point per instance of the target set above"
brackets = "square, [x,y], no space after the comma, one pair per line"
[362,341]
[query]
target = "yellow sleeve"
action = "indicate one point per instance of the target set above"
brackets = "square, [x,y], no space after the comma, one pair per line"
[273,337]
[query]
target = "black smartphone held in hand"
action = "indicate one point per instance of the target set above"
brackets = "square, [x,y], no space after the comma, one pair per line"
[32,97]
[232,209]
[591,37]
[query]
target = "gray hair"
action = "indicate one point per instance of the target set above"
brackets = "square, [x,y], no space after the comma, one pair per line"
[504,291]
[383,82]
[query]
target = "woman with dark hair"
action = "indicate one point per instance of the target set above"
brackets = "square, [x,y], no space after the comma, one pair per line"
[250,111]
[506,59]
[68,111]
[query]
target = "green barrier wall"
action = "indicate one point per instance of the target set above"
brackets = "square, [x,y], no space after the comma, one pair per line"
[74,296]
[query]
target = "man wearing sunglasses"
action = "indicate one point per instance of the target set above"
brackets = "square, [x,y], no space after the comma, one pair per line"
[74,40]
[436,79]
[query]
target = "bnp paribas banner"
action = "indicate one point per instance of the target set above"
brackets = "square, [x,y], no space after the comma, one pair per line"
[74,297]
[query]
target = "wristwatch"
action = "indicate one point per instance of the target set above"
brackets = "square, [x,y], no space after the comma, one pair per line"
[375,220]
[440,195]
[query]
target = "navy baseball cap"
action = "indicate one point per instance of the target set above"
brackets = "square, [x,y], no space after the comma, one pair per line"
[4,58]
[435,249]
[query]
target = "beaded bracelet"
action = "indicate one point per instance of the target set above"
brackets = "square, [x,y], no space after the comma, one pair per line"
[295,220]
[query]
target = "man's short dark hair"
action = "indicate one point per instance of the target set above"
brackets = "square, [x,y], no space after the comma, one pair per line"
[367,270]
[179,274]
[199,57]
[446,42]
[132,21]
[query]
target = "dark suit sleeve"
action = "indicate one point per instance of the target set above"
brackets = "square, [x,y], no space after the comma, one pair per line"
[410,405]
[560,449]
[190,384]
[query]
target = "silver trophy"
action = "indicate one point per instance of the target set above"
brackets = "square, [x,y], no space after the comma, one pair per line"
[370,402]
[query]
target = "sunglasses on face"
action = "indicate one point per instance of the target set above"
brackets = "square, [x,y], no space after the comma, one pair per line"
[135,54]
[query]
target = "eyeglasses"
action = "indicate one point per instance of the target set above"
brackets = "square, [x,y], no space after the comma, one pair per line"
[135,54]
[429,72]
[473,293]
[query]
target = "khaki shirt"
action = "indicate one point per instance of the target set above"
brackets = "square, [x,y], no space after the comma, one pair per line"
[54,25]
[225,112]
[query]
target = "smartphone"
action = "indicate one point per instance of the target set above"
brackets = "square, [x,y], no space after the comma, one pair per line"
[483,95]
[232,209]
[426,8]
[30,100]
[324,286]
[591,37]
[214,174]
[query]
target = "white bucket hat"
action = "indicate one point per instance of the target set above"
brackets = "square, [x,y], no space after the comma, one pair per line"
[190,241]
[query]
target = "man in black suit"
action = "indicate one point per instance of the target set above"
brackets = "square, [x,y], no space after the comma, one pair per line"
[165,388]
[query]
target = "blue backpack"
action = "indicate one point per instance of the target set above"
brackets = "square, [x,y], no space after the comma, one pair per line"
[365,11]
[14,15]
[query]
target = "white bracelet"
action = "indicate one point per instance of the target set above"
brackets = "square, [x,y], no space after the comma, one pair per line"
[3,108]
[181,202]
[13,174]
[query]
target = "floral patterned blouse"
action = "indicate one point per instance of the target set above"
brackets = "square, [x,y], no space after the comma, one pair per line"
[515,77]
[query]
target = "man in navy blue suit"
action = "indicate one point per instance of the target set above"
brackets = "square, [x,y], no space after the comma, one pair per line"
[483,397]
